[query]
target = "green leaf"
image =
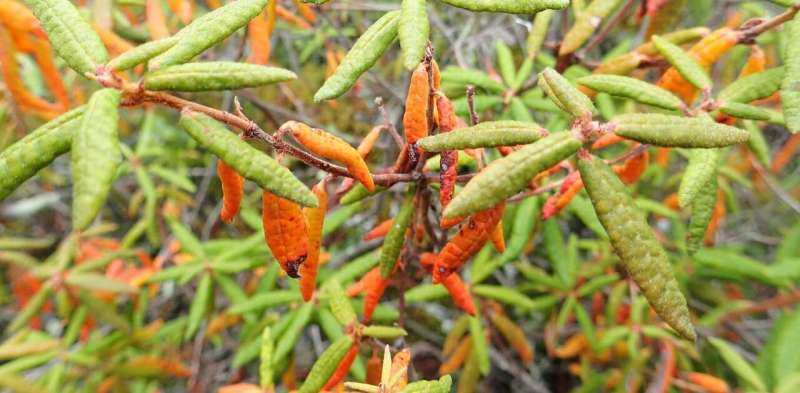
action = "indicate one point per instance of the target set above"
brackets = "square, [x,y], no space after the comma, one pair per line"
[505,62]
[340,304]
[683,62]
[95,156]
[413,31]
[702,168]
[71,36]
[486,134]
[790,87]
[383,332]
[211,76]
[739,366]
[140,54]
[361,57]
[31,309]
[479,344]
[509,6]
[98,282]
[510,174]
[245,159]
[394,240]
[585,24]
[208,30]
[201,304]
[564,94]
[677,131]
[632,88]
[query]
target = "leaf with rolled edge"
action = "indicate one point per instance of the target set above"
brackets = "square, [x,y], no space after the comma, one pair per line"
[393,242]
[564,94]
[248,161]
[790,87]
[340,304]
[98,282]
[465,76]
[479,344]
[383,332]
[140,54]
[701,169]
[201,304]
[753,87]
[208,30]
[71,36]
[505,62]
[265,369]
[632,88]
[413,31]
[285,344]
[31,308]
[326,364]
[487,134]
[634,242]
[443,385]
[509,6]
[95,156]
[217,75]
[36,150]
[677,131]
[702,209]
[538,33]
[361,57]
[505,295]
[689,69]
[508,175]
[744,111]
[585,24]
[738,364]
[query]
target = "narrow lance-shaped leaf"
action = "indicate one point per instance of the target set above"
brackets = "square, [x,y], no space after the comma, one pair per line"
[287,341]
[36,150]
[702,209]
[340,303]
[265,371]
[218,75]
[245,159]
[505,62]
[685,64]
[393,242]
[479,344]
[509,6]
[140,54]
[486,134]
[753,87]
[632,88]
[701,169]
[71,36]
[538,33]
[413,31]
[738,364]
[564,94]
[639,251]
[31,308]
[208,30]
[200,305]
[508,175]
[324,367]
[744,111]
[361,57]
[586,23]
[677,131]
[790,87]
[95,156]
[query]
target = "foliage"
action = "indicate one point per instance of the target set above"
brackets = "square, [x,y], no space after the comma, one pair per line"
[676,273]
